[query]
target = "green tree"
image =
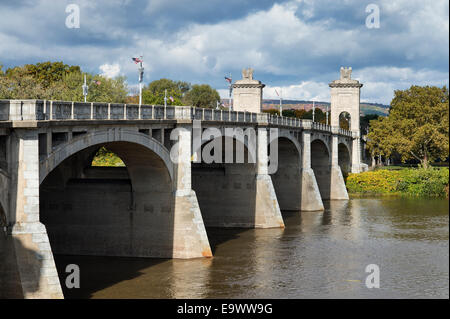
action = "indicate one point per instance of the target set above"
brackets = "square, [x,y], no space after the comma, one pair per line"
[202,96]
[416,127]
[154,93]
[365,122]
[45,73]
[38,82]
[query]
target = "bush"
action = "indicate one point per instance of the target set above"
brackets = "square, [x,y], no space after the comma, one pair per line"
[414,182]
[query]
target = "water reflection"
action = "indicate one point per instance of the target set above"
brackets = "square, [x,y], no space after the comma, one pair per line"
[317,255]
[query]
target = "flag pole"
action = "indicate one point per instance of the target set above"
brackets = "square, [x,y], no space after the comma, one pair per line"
[141,76]
[231,88]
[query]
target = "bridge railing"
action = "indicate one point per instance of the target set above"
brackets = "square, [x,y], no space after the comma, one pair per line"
[21,110]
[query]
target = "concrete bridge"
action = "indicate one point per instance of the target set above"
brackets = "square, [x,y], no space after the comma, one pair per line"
[52,200]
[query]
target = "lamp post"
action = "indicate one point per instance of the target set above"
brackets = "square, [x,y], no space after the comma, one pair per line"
[85,89]
[313,110]
[165,98]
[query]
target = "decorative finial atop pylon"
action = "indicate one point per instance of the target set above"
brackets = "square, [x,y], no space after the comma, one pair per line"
[247,74]
[346,73]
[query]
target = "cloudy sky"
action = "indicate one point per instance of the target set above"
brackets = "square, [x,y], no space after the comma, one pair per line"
[296,45]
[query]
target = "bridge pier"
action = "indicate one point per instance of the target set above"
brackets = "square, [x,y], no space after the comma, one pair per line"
[267,210]
[189,235]
[356,152]
[310,194]
[34,257]
[337,183]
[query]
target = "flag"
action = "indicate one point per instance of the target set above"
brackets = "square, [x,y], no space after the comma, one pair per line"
[228,79]
[171,98]
[137,60]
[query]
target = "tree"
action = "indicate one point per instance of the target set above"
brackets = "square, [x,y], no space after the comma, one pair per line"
[365,122]
[202,96]
[154,93]
[416,127]
[45,73]
[39,82]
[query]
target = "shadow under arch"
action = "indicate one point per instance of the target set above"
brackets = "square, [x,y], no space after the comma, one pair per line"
[320,164]
[226,192]
[287,178]
[100,137]
[344,159]
[113,213]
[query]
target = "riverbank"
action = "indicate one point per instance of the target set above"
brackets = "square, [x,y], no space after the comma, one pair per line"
[417,182]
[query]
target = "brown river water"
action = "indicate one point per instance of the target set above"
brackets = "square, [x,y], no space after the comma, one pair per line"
[317,255]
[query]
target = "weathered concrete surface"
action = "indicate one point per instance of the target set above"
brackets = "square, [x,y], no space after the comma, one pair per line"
[247,93]
[135,212]
[36,267]
[267,211]
[238,194]
[190,239]
[345,97]
[310,194]
[337,184]
[189,236]
[226,194]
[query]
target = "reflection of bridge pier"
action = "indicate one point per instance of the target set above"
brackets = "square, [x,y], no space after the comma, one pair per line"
[155,207]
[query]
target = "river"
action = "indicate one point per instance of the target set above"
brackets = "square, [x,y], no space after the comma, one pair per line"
[317,255]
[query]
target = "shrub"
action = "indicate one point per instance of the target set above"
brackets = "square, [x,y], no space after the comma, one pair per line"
[414,182]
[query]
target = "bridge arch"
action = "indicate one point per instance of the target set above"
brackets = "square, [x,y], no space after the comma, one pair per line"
[344,159]
[287,178]
[320,164]
[226,192]
[109,211]
[100,137]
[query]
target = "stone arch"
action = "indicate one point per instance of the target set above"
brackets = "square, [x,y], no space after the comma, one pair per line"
[344,159]
[320,164]
[100,137]
[287,179]
[226,192]
[319,138]
[118,212]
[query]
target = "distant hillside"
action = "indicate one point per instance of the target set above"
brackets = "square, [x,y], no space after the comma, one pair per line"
[366,108]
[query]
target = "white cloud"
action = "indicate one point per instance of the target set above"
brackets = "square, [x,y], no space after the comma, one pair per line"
[110,70]
[297,46]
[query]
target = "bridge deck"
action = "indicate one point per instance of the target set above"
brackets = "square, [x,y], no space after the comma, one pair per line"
[85,112]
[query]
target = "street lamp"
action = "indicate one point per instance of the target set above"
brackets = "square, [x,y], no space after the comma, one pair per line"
[313,110]
[85,89]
